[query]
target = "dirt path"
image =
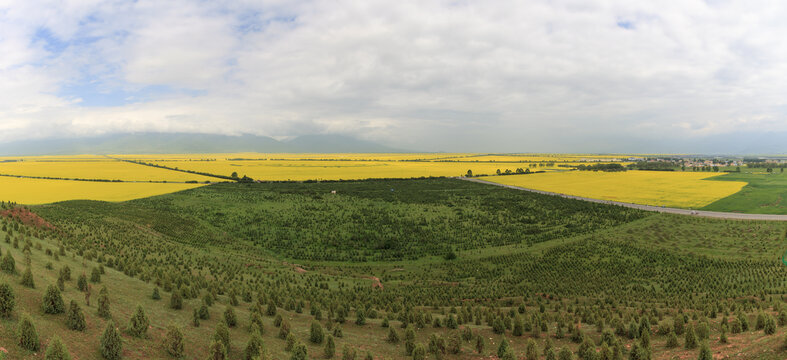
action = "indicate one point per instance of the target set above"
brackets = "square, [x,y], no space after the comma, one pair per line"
[710,214]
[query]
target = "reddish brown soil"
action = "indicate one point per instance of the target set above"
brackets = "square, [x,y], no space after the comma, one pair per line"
[27,217]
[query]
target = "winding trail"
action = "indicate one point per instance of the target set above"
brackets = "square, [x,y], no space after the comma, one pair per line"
[709,214]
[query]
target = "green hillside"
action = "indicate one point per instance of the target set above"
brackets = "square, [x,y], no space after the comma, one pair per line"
[466,262]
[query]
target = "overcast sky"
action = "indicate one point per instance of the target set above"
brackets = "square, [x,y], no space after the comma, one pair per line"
[428,75]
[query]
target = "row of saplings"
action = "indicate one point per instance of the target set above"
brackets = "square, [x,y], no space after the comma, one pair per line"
[53,304]
[111,343]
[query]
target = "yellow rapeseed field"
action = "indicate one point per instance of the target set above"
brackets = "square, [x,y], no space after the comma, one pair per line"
[36,191]
[660,188]
[279,170]
[104,169]
[271,167]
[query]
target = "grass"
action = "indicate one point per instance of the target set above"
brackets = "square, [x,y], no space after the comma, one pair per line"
[766,193]
[651,265]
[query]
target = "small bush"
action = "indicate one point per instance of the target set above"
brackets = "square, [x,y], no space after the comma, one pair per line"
[111,342]
[173,342]
[56,350]
[7,299]
[26,334]
[75,318]
[53,301]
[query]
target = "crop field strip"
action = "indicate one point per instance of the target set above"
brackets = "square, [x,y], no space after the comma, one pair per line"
[658,188]
[159,174]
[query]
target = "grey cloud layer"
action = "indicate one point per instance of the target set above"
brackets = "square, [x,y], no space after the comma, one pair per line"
[432,75]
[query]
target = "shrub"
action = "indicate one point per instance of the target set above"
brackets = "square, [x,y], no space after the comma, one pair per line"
[300,352]
[330,348]
[173,342]
[82,282]
[222,334]
[419,352]
[103,303]
[56,350]
[672,340]
[229,317]
[770,325]
[26,334]
[289,342]
[393,336]
[454,343]
[702,331]
[531,352]
[271,309]
[8,264]
[95,275]
[705,353]
[195,318]
[284,330]
[175,300]
[502,348]
[551,355]
[348,352]
[139,323]
[256,319]
[156,295]
[53,301]
[27,279]
[565,354]
[217,351]
[360,317]
[111,342]
[316,334]
[691,338]
[75,318]
[480,344]
[253,347]
[7,299]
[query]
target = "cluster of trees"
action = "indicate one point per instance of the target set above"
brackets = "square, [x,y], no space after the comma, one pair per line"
[612,167]
[518,171]
[653,165]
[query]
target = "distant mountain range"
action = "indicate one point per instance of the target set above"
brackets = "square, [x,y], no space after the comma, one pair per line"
[178,143]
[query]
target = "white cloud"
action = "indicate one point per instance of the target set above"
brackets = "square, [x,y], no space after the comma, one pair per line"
[434,75]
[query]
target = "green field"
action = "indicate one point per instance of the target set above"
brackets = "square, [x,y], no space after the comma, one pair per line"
[765,194]
[562,273]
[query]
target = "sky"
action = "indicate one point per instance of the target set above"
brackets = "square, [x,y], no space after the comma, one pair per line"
[496,75]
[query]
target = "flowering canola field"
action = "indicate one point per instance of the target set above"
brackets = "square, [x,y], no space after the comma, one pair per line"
[660,188]
[169,174]
[37,191]
[104,169]
[281,170]
[299,167]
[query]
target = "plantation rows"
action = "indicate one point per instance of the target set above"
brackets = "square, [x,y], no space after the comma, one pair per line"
[642,269]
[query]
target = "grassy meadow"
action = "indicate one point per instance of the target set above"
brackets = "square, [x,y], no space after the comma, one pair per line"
[766,193]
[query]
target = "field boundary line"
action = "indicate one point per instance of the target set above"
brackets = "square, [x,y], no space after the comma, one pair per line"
[668,210]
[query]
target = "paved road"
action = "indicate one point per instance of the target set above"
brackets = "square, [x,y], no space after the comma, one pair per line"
[710,214]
